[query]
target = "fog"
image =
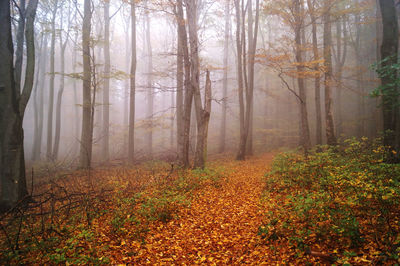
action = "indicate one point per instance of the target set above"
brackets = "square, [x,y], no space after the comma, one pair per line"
[276,119]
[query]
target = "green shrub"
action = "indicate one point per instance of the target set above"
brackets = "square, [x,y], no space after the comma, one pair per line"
[340,197]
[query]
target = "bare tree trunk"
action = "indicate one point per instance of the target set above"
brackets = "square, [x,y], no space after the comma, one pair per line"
[179,88]
[389,53]
[187,106]
[150,90]
[305,141]
[86,138]
[317,81]
[51,86]
[106,89]
[222,138]
[330,127]
[78,119]
[13,103]
[126,89]
[239,48]
[131,135]
[39,76]
[63,46]
[202,114]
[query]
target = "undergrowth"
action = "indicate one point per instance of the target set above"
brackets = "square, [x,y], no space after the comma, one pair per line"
[343,201]
[85,227]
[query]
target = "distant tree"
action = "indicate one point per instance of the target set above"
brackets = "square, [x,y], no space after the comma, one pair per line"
[13,104]
[49,153]
[330,127]
[131,138]
[388,72]
[222,137]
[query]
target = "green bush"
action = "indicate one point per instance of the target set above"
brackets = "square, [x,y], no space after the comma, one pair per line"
[343,198]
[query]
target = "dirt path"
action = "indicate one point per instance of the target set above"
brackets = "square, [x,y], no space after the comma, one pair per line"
[220,227]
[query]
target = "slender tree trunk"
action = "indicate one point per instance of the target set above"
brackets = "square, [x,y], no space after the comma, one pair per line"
[150,90]
[222,138]
[330,127]
[317,80]
[187,106]
[86,137]
[389,53]
[305,141]
[106,89]
[63,46]
[127,88]
[78,119]
[179,88]
[131,138]
[38,77]
[51,86]
[239,48]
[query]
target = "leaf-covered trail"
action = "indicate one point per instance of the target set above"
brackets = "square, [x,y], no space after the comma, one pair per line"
[219,228]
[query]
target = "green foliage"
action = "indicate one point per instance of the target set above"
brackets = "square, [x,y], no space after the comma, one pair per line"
[343,197]
[388,71]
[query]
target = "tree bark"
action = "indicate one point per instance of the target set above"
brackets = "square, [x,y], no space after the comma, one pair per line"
[187,106]
[150,90]
[12,107]
[86,137]
[330,127]
[179,88]
[305,141]
[131,134]
[317,80]
[49,151]
[389,54]
[106,88]
[222,138]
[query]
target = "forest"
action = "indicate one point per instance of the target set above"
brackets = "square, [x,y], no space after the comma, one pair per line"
[215,132]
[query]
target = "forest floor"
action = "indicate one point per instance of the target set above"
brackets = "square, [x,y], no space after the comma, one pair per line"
[220,227]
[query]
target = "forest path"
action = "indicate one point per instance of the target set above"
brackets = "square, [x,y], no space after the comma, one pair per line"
[219,228]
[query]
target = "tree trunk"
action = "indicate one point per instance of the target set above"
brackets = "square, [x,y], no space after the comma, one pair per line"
[179,89]
[106,88]
[12,107]
[86,137]
[222,137]
[150,90]
[317,81]
[131,134]
[187,106]
[389,53]
[305,141]
[51,85]
[330,127]
[36,107]
[63,46]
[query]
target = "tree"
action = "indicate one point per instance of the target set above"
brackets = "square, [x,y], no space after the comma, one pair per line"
[150,90]
[49,152]
[245,80]
[317,81]
[63,46]
[388,73]
[86,137]
[12,106]
[298,25]
[225,77]
[330,127]
[131,135]
[106,88]
[188,99]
